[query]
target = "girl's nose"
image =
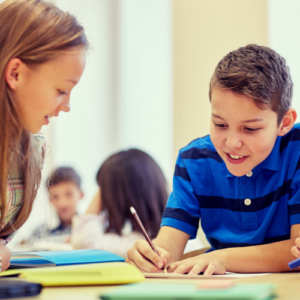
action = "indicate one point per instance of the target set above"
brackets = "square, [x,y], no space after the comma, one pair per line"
[65,107]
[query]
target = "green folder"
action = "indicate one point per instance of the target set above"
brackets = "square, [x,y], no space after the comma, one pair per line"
[186,291]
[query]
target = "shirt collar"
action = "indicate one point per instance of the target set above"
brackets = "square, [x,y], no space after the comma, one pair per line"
[272,162]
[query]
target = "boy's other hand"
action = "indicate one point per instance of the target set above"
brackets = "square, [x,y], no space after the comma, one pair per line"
[209,263]
[296,249]
[143,257]
[5,255]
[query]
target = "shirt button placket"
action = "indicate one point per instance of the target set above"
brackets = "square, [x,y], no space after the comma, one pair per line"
[249,174]
[247,201]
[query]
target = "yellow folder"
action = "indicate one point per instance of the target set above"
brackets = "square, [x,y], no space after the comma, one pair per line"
[86,274]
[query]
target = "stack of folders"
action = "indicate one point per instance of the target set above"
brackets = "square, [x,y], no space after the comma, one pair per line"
[74,267]
[187,291]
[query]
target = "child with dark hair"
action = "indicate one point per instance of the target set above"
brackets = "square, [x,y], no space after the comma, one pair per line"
[127,178]
[242,180]
[64,186]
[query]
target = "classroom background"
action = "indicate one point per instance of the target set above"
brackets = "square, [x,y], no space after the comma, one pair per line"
[146,79]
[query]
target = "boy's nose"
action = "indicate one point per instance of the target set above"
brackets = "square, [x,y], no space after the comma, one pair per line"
[233,141]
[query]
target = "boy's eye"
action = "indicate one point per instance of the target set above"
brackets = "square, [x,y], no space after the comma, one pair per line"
[251,129]
[220,125]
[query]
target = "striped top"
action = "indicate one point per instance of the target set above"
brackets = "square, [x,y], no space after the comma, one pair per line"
[257,208]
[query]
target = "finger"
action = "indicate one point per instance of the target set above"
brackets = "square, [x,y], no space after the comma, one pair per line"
[211,268]
[295,251]
[145,249]
[141,262]
[164,255]
[173,266]
[198,268]
[297,242]
[133,264]
[183,268]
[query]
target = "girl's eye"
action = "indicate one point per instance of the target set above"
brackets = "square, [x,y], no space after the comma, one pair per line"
[251,129]
[62,92]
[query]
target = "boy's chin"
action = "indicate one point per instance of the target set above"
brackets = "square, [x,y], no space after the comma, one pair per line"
[237,173]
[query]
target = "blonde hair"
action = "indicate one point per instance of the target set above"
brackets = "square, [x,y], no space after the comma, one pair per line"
[34,31]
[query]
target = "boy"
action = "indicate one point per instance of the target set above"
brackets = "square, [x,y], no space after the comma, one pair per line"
[64,186]
[242,180]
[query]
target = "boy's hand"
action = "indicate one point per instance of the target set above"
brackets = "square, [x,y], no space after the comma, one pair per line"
[209,263]
[296,249]
[142,256]
[5,255]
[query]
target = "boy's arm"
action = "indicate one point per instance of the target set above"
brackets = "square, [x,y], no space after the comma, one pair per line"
[173,241]
[272,257]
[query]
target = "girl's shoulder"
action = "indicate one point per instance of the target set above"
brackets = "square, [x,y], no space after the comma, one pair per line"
[39,146]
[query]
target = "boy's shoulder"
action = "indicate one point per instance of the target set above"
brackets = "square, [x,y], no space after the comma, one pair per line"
[291,140]
[199,143]
[201,148]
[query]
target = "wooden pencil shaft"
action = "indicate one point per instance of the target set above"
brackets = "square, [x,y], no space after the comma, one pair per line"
[144,232]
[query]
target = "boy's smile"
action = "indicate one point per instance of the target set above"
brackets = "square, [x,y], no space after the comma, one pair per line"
[243,134]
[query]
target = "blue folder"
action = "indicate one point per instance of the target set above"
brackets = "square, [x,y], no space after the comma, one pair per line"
[62,258]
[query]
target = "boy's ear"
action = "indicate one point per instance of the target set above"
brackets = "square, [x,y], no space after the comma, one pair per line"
[12,72]
[288,122]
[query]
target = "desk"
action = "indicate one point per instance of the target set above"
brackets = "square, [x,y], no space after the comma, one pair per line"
[288,288]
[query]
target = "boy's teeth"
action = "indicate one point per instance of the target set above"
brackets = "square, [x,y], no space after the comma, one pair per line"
[235,156]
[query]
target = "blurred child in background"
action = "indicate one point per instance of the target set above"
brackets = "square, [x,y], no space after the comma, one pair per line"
[127,178]
[64,186]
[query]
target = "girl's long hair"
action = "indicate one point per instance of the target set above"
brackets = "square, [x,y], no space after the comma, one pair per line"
[132,178]
[33,31]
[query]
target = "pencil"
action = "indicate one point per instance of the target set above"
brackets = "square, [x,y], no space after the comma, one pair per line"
[135,215]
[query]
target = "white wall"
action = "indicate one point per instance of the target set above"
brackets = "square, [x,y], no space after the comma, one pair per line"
[284,25]
[146,79]
[86,135]
[124,98]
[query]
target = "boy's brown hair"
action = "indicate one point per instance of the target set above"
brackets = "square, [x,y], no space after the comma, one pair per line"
[63,174]
[259,73]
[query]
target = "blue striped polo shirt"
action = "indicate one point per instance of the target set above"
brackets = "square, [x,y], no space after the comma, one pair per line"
[236,211]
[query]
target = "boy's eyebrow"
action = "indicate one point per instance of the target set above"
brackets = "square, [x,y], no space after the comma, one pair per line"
[216,116]
[246,121]
[253,120]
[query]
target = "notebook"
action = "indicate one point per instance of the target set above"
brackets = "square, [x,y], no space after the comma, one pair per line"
[165,291]
[84,274]
[62,258]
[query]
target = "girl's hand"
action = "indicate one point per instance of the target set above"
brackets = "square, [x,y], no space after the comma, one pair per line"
[143,257]
[296,249]
[209,263]
[5,255]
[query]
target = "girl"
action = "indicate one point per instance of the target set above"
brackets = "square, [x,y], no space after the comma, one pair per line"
[127,178]
[42,57]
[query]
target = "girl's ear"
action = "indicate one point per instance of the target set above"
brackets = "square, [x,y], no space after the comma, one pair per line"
[12,72]
[288,122]
[81,194]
